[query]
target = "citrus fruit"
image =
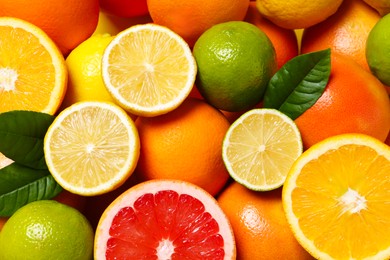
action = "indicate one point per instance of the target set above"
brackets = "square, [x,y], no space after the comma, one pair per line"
[378,50]
[191,18]
[382,6]
[297,14]
[235,62]
[84,71]
[128,8]
[184,144]
[41,85]
[284,40]
[46,229]
[113,24]
[91,147]
[345,32]
[164,219]
[67,23]
[259,225]
[148,69]
[354,101]
[336,198]
[260,147]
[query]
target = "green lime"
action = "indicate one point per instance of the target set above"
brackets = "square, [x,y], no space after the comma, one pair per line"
[378,50]
[46,229]
[235,62]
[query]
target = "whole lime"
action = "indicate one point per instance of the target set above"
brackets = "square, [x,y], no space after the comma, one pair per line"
[46,229]
[235,62]
[378,50]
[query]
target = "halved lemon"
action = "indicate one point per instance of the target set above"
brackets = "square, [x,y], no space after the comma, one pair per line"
[33,73]
[337,198]
[148,69]
[91,147]
[260,147]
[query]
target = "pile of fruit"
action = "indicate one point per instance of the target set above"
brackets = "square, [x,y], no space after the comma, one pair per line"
[223,129]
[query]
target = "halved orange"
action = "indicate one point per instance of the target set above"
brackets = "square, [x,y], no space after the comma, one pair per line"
[164,219]
[148,69]
[33,73]
[92,147]
[337,198]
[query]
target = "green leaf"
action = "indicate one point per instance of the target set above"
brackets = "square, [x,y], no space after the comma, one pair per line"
[43,188]
[14,176]
[21,136]
[299,83]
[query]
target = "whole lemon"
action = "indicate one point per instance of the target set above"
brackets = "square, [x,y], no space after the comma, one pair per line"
[84,70]
[235,63]
[47,229]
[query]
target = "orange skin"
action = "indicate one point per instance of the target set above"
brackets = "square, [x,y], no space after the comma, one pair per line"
[67,22]
[284,40]
[121,8]
[345,32]
[354,101]
[184,144]
[259,224]
[190,19]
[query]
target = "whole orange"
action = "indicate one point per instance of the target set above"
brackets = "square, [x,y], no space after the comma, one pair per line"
[259,224]
[67,22]
[354,101]
[284,40]
[184,144]
[191,18]
[124,8]
[344,32]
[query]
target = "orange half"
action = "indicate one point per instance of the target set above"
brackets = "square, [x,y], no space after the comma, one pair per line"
[337,198]
[33,74]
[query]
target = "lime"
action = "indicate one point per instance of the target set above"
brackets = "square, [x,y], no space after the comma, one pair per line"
[84,69]
[260,147]
[46,229]
[235,62]
[378,50]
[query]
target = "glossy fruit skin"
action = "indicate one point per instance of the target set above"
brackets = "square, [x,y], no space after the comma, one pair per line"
[284,40]
[67,22]
[378,50]
[354,101]
[224,77]
[191,18]
[259,224]
[46,229]
[124,8]
[345,32]
[184,144]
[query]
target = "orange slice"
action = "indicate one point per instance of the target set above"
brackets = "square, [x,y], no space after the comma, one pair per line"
[91,147]
[33,73]
[164,219]
[260,147]
[336,198]
[148,69]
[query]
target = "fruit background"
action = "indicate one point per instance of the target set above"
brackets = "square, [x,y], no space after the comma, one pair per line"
[155,123]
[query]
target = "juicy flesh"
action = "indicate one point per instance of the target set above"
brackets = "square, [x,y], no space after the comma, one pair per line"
[165,225]
[95,149]
[149,74]
[349,190]
[262,150]
[25,83]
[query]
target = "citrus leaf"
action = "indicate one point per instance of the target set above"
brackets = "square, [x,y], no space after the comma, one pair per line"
[43,188]
[299,83]
[21,136]
[15,176]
